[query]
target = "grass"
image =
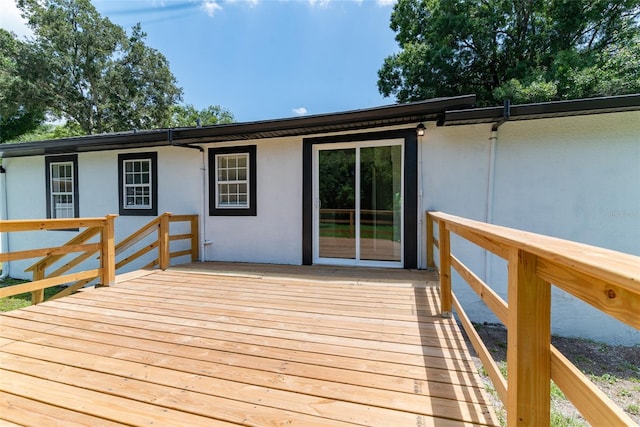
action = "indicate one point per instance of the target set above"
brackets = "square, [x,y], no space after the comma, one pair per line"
[633,409]
[21,300]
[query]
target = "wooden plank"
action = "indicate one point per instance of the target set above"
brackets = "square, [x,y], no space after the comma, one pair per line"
[528,343]
[216,337]
[175,237]
[45,252]
[608,265]
[177,254]
[413,346]
[342,326]
[31,412]
[195,238]
[48,224]
[46,283]
[137,254]
[108,253]
[315,380]
[430,239]
[194,291]
[163,239]
[592,403]
[138,235]
[121,377]
[497,305]
[445,269]
[186,358]
[489,364]
[80,238]
[610,298]
[115,408]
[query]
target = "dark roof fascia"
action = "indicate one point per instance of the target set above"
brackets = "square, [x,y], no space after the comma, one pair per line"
[574,107]
[334,122]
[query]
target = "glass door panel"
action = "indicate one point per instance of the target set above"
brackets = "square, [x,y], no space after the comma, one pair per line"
[380,203]
[336,194]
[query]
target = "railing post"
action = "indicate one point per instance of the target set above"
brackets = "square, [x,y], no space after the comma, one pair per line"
[164,257]
[108,251]
[445,269]
[37,296]
[429,220]
[528,343]
[195,242]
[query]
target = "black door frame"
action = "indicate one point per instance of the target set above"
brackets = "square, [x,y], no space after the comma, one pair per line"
[410,197]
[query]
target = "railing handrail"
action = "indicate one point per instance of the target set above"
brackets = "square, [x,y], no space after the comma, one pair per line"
[95,226]
[102,226]
[606,264]
[606,279]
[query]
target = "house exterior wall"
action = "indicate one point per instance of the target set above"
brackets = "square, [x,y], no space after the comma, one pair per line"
[576,178]
[274,234]
[179,189]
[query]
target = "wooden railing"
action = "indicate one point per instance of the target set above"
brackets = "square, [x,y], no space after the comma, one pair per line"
[608,280]
[159,225]
[104,227]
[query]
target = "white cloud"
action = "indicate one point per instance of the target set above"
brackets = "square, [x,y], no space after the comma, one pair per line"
[251,3]
[11,20]
[386,2]
[300,111]
[211,7]
[319,3]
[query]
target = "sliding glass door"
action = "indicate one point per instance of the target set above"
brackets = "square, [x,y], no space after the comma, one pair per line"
[358,203]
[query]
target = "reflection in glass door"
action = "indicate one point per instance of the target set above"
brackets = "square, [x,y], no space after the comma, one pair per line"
[364,229]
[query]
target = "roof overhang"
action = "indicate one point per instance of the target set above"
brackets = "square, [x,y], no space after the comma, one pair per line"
[390,115]
[575,107]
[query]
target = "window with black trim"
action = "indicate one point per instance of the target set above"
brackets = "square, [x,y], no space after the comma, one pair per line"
[232,181]
[138,184]
[62,186]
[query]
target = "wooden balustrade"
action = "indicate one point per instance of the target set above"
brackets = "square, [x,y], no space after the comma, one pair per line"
[94,226]
[605,279]
[106,249]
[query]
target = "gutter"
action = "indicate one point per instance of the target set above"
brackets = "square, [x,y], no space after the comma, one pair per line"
[491,175]
[4,214]
[203,184]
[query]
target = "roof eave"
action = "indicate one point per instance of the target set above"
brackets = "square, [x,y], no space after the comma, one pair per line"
[610,104]
[321,123]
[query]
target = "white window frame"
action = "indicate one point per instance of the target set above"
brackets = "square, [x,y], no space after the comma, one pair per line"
[141,185]
[70,208]
[220,183]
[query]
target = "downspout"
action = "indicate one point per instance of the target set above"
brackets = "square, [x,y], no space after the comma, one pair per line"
[491,174]
[4,214]
[203,187]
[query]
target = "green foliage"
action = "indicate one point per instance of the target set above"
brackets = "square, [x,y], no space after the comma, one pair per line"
[527,51]
[48,131]
[81,67]
[188,116]
[20,111]
[21,300]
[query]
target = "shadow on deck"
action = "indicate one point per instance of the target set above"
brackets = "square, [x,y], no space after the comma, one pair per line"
[242,344]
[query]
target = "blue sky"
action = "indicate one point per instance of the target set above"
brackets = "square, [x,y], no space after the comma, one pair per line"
[262,59]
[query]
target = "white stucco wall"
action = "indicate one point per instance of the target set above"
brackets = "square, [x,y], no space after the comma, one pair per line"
[274,235]
[576,178]
[179,188]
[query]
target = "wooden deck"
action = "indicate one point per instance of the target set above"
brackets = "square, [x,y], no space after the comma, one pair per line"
[229,344]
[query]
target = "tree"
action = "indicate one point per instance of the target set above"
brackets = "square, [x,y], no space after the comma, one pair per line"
[534,50]
[91,73]
[188,115]
[20,111]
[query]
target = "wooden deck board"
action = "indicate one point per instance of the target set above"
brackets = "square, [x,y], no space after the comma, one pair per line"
[324,346]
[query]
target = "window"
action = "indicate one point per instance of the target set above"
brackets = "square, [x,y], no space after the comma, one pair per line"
[62,186]
[232,181]
[137,178]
